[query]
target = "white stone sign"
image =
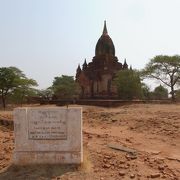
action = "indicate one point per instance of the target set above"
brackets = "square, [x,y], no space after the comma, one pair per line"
[48,135]
[47,125]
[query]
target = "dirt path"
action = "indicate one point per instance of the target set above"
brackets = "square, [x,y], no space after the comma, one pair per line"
[153,131]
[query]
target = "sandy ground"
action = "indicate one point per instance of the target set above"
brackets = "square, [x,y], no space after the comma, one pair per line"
[152,131]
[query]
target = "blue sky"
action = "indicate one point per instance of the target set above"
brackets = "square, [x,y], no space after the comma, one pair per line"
[48,38]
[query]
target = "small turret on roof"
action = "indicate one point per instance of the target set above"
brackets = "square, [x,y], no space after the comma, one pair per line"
[78,71]
[79,68]
[84,66]
[125,66]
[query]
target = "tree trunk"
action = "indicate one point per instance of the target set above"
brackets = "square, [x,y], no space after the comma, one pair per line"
[172,94]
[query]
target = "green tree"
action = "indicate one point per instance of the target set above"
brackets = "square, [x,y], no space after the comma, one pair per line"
[146,93]
[160,93]
[128,84]
[177,93]
[11,79]
[165,69]
[65,87]
[24,90]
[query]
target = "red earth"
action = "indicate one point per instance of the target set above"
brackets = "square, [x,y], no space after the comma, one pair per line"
[151,130]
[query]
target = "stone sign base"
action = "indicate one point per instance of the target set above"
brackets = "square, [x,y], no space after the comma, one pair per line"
[47,158]
[48,136]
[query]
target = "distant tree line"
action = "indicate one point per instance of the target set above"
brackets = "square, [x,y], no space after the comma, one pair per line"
[15,87]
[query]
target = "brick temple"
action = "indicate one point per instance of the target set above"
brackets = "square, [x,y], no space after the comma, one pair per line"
[95,78]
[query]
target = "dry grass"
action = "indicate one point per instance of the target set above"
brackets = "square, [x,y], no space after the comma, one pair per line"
[87,165]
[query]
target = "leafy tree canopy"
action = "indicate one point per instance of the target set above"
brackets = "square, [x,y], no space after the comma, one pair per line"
[128,84]
[160,92]
[177,93]
[146,93]
[24,90]
[12,80]
[65,87]
[165,69]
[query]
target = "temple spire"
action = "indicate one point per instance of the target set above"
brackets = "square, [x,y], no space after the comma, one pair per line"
[85,65]
[78,72]
[105,29]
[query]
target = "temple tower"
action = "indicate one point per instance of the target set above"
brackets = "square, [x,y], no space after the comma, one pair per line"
[95,78]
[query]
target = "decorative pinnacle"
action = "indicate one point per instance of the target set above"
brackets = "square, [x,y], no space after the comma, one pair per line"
[105,29]
[79,67]
[85,61]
